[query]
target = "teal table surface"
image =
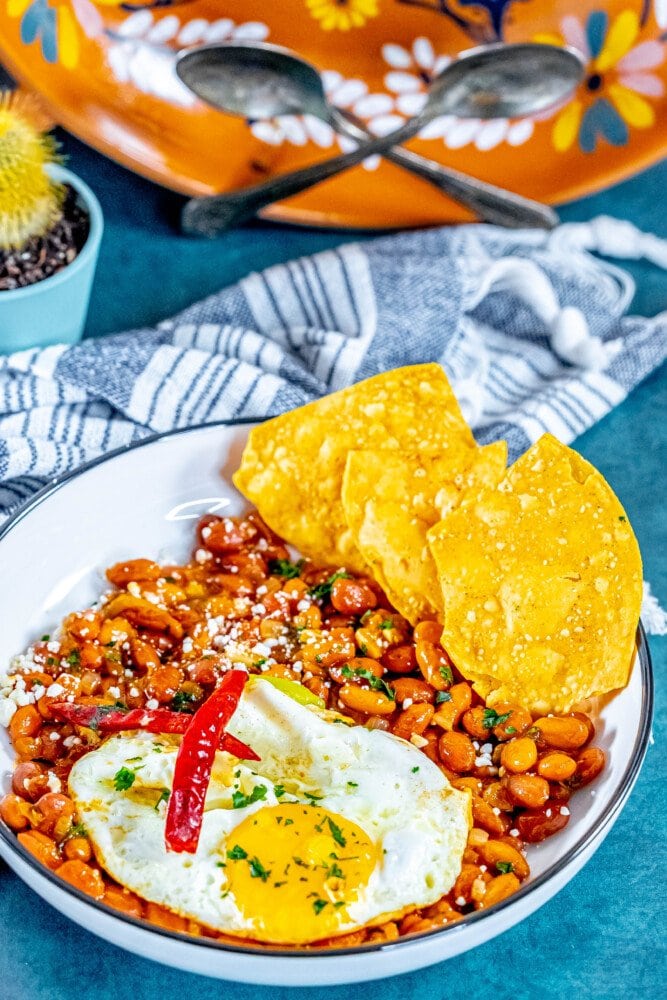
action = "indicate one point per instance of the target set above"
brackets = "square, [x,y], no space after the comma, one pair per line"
[600,937]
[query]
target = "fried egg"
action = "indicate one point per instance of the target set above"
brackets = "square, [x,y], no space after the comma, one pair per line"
[336,828]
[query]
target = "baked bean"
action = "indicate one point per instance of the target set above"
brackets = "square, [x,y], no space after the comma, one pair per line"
[27,747]
[163,683]
[527,790]
[92,657]
[535,825]
[456,752]
[499,888]
[560,792]
[365,700]
[82,628]
[519,755]
[83,877]
[473,723]
[412,688]
[590,763]
[486,816]
[52,814]
[41,847]
[517,722]
[26,721]
[434,664]
[588,722]
[449,712]
[400,659]
[30,780]
[14,811]
[555,766]
[496,852]
[225,536]
[414,719]
[143,655]
[496,796]
[122,573]
[123,900]
[469,784]
[428,632]
[351,597]
[358,665]
[77,849]
[563,732]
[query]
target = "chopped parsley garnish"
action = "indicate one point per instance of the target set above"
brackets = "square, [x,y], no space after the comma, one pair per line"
[386,624]
[164,797]
[352,784]
[257,869]
[76,830]
[123,779]
[182,701]
[279,791]
[505,867]
[375,682]
[415,769]
[46,637]
[318,905]
[260,662]
[510,730]
[335,872]
[237,853]
[446,674]
[322,592]
[442,696]
[239,800]
[492,719]
[336,832]
[283,567]
[74,657]
[170,579]
[621,518]
[50,661]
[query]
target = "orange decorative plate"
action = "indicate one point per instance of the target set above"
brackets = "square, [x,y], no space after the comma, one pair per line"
[106,70]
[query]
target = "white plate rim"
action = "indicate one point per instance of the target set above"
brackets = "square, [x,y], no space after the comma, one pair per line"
[590,838]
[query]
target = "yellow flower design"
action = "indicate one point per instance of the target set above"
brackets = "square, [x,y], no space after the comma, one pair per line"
[341,15]
[613,95]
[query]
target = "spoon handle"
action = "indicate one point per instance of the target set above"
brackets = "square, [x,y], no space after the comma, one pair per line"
[213,215]
[488,202]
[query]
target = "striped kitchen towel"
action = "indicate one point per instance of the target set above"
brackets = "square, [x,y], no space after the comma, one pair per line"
[530,327]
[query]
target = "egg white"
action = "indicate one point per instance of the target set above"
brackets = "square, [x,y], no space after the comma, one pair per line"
[392,791]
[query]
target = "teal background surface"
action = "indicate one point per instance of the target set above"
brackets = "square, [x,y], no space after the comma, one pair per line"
[602,937]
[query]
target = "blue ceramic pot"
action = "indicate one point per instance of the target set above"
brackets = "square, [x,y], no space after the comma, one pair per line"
[53,311]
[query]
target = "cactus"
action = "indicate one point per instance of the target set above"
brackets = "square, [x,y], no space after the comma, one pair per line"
[30,201]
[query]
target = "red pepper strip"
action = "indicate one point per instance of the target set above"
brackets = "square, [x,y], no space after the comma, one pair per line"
[194,763]
[109,719]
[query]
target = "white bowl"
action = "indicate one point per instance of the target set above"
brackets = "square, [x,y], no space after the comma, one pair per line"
[143,501]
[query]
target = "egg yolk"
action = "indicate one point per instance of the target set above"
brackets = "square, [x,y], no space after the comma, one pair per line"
[293,869]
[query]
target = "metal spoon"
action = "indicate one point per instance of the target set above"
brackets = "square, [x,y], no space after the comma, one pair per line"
[255,79]
[504,81]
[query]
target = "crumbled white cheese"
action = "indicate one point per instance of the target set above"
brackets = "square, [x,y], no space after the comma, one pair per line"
[53,782]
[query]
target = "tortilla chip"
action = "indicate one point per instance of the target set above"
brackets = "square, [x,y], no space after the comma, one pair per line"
[392,498]
[542,583]
[292,466]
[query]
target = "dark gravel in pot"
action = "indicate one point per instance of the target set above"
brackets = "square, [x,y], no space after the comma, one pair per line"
[43,256]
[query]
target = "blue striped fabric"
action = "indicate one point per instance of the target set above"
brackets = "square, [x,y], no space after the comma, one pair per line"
[483,302]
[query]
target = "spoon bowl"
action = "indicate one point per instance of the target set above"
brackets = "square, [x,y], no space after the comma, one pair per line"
[253,81]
